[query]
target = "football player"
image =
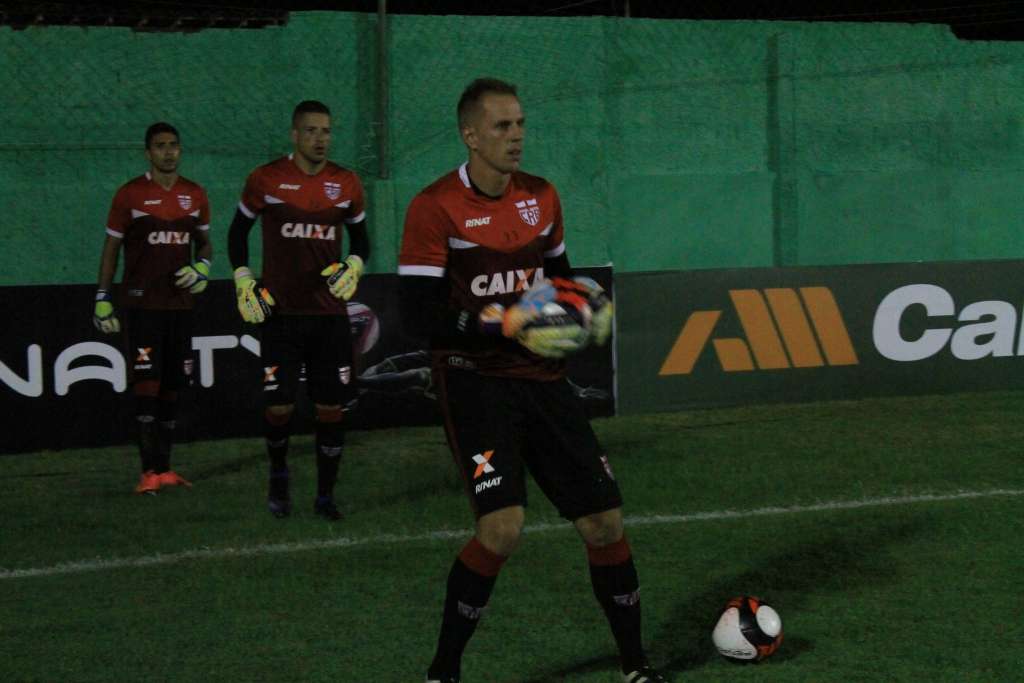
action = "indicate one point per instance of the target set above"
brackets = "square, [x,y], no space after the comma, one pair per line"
[482,253]
[162,220]
[305,204]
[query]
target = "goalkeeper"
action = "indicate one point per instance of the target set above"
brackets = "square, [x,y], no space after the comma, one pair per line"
[486,277]
[163,222]
[305,204]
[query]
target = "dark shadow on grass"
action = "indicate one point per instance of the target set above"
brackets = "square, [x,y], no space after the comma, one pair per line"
[232,466]
[657,434]
[568,673]
[789,581]
[62,473]
[421,485]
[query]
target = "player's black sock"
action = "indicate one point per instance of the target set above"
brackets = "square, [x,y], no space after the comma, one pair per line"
[330,439]
[166,413]
[149,440]
[617,588]
[470,583]
[276,430]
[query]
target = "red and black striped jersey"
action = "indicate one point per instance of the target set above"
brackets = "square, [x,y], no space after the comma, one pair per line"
[490,250]
[302,218]
[157,227]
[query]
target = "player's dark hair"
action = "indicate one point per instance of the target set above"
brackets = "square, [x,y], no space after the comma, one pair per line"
[308,107]
[160,127]
[475,91]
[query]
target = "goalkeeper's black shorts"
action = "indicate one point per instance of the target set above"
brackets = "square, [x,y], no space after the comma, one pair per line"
[500,427]
[160,346]
[315,349]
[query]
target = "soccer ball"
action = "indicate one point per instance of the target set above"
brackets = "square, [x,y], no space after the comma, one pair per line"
[545,306]
[747,630]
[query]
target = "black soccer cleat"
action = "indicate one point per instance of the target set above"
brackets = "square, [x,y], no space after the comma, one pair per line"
[279,507]
[325,507]
[644,674]
[278,501]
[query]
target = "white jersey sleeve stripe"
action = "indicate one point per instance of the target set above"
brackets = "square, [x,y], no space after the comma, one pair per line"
[429,271]
[115,233]
[245,210]
[356,219]
[557,251]
[205,228]
[456,243]
[547,231]
[271,199]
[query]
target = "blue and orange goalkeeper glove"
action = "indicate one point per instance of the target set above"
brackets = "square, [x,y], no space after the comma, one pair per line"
[193,277]
[103,313]
[602,310]
[343,277]
[254,303]
[545,321]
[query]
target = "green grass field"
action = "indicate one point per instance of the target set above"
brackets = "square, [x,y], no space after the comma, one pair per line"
[885,532]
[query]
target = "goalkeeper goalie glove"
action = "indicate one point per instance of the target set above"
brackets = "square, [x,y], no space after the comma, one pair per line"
[343,277]
[549,322]
[602,309]
[103,313]
[193,277]
[254,302]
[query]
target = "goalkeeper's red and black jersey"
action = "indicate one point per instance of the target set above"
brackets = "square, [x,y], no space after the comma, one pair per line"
[302,218]
[157,227]
[490,250]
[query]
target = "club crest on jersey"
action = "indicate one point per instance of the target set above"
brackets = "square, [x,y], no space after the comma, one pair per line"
[529,211]
[333,190]
[185,201]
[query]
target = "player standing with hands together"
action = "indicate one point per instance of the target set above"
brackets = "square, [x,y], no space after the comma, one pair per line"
[163,222]
[483,249]
[303,201]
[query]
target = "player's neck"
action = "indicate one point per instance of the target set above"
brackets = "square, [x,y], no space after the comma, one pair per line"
[306,166]
[488,180]
[164,180]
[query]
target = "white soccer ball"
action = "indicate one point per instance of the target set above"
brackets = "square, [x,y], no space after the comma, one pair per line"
[747,630]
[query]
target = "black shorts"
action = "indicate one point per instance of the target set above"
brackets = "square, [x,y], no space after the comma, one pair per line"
[160,347]
[499,427]
[313,348]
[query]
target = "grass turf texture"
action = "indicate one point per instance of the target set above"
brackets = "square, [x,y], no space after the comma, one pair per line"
[898,591]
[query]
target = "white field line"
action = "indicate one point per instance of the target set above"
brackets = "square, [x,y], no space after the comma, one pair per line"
[101,564]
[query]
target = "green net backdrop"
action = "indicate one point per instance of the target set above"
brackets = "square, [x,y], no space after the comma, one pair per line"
[674,144]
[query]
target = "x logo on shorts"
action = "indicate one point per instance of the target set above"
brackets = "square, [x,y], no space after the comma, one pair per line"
[482,466]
